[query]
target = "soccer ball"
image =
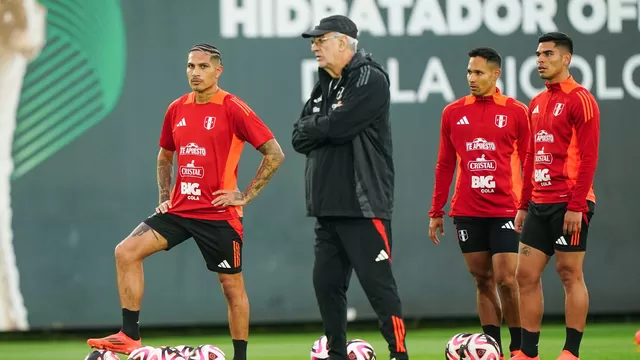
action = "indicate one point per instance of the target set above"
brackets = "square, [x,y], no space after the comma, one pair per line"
[359,349]
[320,349]
[452,351]
[169,353]
[480,347]
[144,353]
[207,352]
[185,350]
[101,355]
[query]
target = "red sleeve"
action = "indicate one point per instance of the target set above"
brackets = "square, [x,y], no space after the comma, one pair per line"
[585,116]
[248,126]
[445,168]
[525,142]
[166,136]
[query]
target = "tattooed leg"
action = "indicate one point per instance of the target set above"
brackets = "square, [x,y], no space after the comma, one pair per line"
[530,267]
[141,243]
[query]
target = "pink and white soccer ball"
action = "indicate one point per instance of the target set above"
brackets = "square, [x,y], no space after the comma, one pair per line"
[185,350]
[101,355]
[452,350]
[480,347]
[145,353]
[320,349]
[207,352]
[169,353]
[358,349]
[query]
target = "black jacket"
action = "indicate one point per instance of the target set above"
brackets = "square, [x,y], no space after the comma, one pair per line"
[345,133]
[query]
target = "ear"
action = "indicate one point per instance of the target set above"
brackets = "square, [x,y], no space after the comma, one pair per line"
[497,73]
[219,70]
[566,59]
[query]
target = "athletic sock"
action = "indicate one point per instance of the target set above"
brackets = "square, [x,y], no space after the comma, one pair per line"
[494,332]
[530,343]
[516,338]
[130,325]
[572,342]
[239,349]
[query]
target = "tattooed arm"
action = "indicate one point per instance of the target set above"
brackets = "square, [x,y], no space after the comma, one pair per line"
[165,172]
[271,161]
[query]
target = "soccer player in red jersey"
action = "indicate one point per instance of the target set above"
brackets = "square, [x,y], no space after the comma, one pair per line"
[206,130]
[556,207]
[482,133]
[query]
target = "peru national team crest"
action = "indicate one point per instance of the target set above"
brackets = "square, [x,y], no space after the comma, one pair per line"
[557,110]
[463,235]
[209,122]
[501,121]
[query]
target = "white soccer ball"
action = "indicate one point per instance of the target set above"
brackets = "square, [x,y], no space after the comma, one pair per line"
[207,352]
[452,350]
[359,349]
[480,347]
[185,350]
[169,353]
[101,355]
[320,349]
[145,353]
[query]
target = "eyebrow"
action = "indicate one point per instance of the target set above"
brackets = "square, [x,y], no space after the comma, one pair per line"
[544,51]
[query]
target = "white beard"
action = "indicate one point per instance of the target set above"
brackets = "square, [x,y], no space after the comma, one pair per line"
[22,47]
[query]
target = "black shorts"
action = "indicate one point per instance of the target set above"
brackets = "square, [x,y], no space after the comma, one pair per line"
[219,241]
[543,225]
[495,235]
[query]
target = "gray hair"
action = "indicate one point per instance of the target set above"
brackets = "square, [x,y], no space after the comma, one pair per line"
[353,43]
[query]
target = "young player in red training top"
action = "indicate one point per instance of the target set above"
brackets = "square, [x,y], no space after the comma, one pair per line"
[557,200]
[482,132]
[206,129]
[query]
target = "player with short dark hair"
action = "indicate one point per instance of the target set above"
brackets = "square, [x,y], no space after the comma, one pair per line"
[486,134]
[206,130]
[557,206]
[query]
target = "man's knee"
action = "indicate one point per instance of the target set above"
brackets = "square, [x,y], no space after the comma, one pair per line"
[505,279]
[126,251]
[484,280]
[232,286]
[569,274]
[141,243]
[526,277]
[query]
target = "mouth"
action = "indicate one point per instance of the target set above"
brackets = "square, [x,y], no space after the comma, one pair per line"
[196,82]
[541,68]
[473,88]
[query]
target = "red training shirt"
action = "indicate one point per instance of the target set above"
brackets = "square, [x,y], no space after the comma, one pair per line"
[208,140]
[481,134]
[565,123]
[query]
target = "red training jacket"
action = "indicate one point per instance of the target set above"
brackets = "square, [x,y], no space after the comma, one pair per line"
[482,135]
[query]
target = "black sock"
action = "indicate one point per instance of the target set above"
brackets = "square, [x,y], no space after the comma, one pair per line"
[516,338]
[530,343]
[130,326]
[572,343]
[494,332]
[239,349]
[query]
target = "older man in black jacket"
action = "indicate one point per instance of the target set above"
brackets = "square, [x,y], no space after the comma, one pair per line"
[345,133]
